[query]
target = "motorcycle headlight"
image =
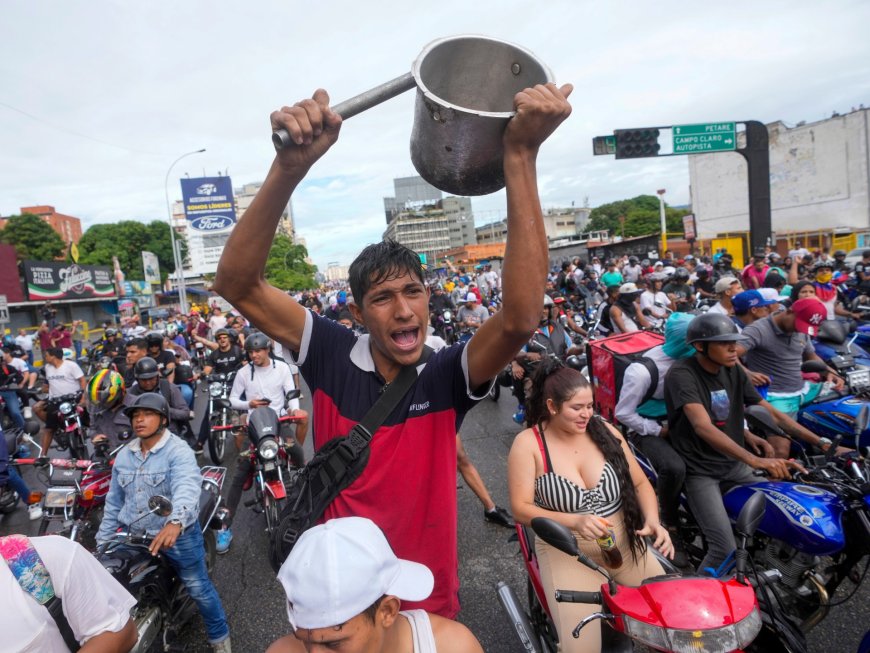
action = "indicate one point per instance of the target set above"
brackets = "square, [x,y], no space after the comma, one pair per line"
[65,408]
[216,389]
[447,316]
[268,449]
[60,497]
[715,640]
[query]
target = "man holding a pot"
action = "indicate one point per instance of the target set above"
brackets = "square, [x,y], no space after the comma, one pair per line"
[408,487]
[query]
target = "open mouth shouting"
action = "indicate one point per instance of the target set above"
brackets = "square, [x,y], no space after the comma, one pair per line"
[406,339]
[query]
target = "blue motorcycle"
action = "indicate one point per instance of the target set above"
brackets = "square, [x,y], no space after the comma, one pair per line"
[842,352]
[814,532]
[835,415]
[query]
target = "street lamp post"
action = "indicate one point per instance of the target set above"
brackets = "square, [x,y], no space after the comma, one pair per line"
[176,253]
[661,194]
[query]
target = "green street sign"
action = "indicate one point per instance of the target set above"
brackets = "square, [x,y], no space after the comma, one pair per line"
[708,137]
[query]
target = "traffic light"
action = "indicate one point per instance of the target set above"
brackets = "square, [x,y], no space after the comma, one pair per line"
[637,143]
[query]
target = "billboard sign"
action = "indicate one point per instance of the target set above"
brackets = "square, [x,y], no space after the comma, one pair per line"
[54,280]
[151,266]
[689,226]
[208,203]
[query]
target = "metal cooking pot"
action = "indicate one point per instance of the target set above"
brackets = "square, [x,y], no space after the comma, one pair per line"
[465,90]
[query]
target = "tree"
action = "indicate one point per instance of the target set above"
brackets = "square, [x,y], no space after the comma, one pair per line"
[32,238]
[286,267]
[641,217]
[126,240]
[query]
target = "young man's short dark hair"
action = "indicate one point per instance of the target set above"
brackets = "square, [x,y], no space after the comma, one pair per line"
[137,343]
[54,352]
[379,262]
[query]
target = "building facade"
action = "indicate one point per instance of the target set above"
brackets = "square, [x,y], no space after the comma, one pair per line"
[67,227]
[819,178]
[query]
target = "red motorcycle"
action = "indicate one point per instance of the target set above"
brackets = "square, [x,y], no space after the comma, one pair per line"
[271,468]
[673,613]
[72,505]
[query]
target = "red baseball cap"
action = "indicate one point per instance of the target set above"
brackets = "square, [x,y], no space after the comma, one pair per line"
[809,314]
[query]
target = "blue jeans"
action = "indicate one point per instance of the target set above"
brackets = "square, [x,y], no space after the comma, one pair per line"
[17,483]
[188,559]
[13,406]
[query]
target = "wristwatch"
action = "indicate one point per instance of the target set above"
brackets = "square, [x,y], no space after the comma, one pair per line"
[177,522]
[824,442]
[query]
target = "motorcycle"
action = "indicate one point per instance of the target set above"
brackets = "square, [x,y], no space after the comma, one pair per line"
[671,612]
[832,415]
[219,386]
[200,355]
[72,505]
[17,442]
[71,433]
[163,605]
[444,327]
[271,469]
[851,361]
[24,395]
[824,516]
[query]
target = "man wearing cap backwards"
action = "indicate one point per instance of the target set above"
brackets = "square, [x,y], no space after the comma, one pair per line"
[158,462]
[725,288]
[409,484]
[774,348]
[345,587]
[705,396]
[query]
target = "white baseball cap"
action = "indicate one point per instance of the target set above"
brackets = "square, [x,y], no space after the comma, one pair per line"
[471,297]
[339,569]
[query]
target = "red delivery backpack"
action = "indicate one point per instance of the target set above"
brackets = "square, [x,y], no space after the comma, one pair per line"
[608,358]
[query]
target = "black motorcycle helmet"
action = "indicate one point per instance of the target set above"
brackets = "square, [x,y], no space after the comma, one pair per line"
[154,339]
[257,341]
[840,253]
[712,327]
[681,274]
[153,401]
[632,260]
[145,368]
[818,265]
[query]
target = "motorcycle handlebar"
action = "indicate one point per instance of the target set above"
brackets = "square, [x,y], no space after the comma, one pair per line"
[566,596]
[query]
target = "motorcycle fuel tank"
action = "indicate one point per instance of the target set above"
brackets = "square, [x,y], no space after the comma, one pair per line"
[835,417]
[808,518]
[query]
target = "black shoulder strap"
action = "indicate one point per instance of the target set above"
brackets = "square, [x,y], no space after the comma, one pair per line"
[654,378]
[391,395]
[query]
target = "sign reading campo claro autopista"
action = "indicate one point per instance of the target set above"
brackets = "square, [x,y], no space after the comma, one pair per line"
[707,137]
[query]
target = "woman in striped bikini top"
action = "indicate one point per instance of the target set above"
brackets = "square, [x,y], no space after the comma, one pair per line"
[575,468]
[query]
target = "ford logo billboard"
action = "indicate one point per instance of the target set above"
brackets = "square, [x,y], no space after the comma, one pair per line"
[211,222]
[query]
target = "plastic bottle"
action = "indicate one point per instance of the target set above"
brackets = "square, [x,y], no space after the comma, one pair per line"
[611,553]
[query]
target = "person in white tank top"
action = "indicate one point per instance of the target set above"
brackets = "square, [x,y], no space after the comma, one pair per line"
[344,584]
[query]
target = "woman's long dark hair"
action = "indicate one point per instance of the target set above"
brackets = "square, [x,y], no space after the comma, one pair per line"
[553,380]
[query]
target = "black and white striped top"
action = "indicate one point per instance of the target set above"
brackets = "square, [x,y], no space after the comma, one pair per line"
[557,493]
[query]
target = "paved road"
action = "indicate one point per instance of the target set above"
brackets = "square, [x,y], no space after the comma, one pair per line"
[255,603]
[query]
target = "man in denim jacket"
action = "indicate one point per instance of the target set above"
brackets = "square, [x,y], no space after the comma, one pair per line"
[159,462]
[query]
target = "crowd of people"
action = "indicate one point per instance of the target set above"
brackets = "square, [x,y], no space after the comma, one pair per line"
[380,572]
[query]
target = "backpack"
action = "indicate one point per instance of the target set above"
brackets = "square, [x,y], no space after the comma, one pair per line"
[610,357]
[30,572]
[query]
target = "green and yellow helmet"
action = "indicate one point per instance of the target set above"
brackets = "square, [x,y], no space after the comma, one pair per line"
[106,389]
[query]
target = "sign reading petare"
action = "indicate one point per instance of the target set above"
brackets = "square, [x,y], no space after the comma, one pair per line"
[208,203]
[53,280]
[707,137]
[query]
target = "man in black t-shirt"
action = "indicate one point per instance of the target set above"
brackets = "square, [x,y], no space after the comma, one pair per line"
[225,358]
[165,359]
[862,271]
[705,396]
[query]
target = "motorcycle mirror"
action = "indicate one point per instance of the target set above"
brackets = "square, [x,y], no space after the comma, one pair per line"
[160,505]
[814,367]
[577,362]
[647,312]
[760,416]
[751,514]
[556,535]
[293,394]
[862,420]
[31,426]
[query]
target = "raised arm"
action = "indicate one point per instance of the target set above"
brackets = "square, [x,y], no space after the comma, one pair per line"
[540,110]
[240,279]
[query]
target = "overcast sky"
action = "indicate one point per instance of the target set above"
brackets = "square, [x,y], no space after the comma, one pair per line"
[114,92]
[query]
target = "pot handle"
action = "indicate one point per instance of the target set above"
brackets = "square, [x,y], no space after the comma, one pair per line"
[358,104]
